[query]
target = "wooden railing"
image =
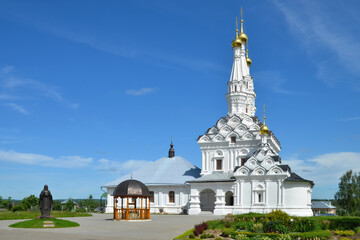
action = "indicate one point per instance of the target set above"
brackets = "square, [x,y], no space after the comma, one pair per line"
[131,214]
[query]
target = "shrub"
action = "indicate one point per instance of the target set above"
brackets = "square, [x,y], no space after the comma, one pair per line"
[343,223]
[278,216]
[259,237]
[228,232]
[303,225]
[242,237]
[345,238]
[258,228]
[312,235]
[203,236]
[198,229]
[283,237]
[325,224]
[275,227]
[357,229]
[191,236]
[205,225]
[215,224]
[345,233]
[218,238]
[227,224]
[206,236]
[18,208]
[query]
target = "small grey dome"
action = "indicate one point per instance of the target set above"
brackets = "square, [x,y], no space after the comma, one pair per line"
[131,187]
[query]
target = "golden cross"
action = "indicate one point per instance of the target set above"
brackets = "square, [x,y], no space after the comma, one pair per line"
[264,114]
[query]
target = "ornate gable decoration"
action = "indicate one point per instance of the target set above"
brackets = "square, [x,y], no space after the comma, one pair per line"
[242,171]
[259,171]
[275,170]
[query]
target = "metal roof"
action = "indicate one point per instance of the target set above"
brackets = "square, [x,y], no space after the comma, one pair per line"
[131,187]
[322,204]
[164,171]
[215,177]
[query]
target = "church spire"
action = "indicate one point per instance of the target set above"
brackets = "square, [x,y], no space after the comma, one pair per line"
[243,37]
[241,95]
[171,150]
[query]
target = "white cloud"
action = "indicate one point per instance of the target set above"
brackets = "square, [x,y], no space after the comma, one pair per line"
[43,160]
[17,108]
[105,165]
[140,92]
[350,119]
[318,29]
[326,169]
[15,87]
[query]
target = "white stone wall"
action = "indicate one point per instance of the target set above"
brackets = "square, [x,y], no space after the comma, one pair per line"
[161,199]
[293,198]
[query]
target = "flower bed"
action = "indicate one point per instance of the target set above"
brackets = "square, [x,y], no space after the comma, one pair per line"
[276,225]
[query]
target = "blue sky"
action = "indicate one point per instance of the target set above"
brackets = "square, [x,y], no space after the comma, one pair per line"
[91,90]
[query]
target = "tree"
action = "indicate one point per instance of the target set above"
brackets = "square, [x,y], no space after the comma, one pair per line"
[348,197]
[88,204]
[30,201]
[69,204]
[5,203]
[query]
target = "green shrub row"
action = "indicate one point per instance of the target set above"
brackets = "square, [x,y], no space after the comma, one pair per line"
[322,234]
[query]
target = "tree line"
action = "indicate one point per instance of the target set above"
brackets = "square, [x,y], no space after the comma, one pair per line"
[32,203]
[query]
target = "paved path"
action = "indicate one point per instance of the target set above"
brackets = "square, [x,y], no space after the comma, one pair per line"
[102,227]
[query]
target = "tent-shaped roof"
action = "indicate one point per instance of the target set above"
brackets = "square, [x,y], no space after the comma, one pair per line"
[164,171]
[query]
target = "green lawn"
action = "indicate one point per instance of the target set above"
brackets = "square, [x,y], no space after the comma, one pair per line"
[30,215]
[38,223]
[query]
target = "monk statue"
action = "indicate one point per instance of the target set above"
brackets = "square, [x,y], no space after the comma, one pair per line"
[45,202]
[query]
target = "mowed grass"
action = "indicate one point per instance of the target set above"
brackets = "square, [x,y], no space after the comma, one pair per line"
[7,215]
[39,223]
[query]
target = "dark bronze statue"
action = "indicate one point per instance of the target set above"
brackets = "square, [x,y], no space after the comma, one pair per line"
[45,202]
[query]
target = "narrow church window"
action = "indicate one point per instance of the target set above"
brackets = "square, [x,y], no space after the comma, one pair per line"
[233,139]
[247,84]
[171,196]
[151,196]
[235,89]
[246,110]
[260,198]
[218,164]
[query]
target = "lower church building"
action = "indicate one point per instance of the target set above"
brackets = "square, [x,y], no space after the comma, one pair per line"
[241,168]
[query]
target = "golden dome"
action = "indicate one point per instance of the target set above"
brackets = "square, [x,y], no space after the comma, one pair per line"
[264,129]
[243,37]
[236,42]
[248,61]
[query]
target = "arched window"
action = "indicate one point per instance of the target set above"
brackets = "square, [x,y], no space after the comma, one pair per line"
[235,88]
[171,197]
[229,199]
[151,196]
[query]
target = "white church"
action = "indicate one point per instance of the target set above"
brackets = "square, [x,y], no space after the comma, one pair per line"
[241,168]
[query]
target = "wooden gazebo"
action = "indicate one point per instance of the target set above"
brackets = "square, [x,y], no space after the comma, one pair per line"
[131,201]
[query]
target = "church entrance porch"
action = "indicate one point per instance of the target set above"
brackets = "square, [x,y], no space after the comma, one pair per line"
[207,200]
